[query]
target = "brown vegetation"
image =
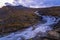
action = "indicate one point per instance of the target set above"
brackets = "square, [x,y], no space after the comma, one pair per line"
[12,19]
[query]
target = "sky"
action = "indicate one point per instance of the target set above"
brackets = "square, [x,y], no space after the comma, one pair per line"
[30,3]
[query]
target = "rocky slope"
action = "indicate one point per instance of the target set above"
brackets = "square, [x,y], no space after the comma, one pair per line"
[14,18]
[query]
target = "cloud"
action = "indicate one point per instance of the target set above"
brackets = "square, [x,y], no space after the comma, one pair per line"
[2,2]
[31,3]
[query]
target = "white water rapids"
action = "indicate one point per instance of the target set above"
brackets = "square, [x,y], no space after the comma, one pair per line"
[28,33]
[40,28]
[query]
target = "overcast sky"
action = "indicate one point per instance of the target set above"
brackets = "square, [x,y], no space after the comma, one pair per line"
[30,3]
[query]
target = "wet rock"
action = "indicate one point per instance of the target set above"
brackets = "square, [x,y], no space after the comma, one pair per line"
[57,25]
[57,30]
[53,35]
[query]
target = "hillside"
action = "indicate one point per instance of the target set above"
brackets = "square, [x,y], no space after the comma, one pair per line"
[14,18]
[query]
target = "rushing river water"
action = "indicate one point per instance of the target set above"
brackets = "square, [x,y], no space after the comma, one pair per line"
[40,29]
